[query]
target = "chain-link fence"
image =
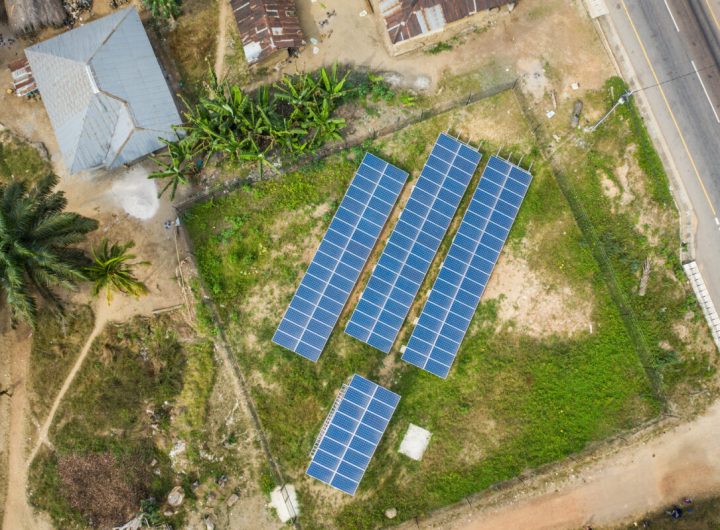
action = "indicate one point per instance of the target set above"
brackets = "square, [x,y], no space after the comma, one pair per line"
[362,134]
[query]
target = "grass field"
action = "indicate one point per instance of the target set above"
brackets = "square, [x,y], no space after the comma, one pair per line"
[192,44]
[628,215]
[19,160]
[514,399]
[144,384]
[56,344]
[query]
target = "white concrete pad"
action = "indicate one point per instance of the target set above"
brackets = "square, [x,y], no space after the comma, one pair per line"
[285,504]
[597,8]
[415,442]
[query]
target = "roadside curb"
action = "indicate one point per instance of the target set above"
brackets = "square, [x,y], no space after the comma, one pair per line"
[618,55]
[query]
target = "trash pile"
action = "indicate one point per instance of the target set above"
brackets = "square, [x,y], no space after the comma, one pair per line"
[75,10]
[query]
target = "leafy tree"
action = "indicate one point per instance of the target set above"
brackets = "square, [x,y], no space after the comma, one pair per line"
[36,252]
[112,270]
[166,10]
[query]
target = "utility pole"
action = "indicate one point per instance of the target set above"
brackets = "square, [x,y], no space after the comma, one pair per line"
[623,99]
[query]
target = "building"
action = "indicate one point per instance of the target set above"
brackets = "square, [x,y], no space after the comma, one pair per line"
[105,93]
[23,81]
[267,27]
[407,19]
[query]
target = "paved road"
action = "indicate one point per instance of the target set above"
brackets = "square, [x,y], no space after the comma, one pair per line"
[676,44]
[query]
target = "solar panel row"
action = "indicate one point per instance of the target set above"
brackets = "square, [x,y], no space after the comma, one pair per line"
[454,298]
[351,434]
[395,281]
[341,256]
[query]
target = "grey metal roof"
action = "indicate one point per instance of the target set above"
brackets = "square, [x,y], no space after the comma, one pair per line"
[104,91]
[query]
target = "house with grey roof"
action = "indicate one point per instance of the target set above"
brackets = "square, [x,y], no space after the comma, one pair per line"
[105,93]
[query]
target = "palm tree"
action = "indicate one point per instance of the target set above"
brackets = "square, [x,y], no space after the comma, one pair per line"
[112,270]
[36,252]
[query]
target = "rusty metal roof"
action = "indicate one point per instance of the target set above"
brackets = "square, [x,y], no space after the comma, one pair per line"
[266,26]
[406,19]
[23,80]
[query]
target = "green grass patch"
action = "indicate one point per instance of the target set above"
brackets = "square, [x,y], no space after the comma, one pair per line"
[647,157]
[117,419]
[20,160]
[57,342]
[512,402]
[197,386]
[624,236]
[439,48]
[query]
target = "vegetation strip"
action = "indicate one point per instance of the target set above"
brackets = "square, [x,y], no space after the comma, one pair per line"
[324,152]
[600,255]
[222,342]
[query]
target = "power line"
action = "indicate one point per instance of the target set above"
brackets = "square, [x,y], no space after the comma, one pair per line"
[681,76]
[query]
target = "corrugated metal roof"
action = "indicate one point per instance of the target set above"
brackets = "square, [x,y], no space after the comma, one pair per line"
[104,91]
[406,19]
[23,80]
[266,26]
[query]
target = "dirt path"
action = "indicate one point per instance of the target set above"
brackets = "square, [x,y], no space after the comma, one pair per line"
[642,477]
[18,514]
[223,13]
[101,321]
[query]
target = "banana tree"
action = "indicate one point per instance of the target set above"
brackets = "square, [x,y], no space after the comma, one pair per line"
[324,127]
[332,87]
[178,167]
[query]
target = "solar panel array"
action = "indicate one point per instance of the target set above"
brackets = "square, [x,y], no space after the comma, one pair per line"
[351,434]
[341,256]
[413,243]
[446,316]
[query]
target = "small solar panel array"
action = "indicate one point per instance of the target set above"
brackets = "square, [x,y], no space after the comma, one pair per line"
[363,409]
[341,256]
[351,433]
[462,279]
[402,267]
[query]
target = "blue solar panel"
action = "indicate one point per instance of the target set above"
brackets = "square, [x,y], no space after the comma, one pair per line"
[413,243]
[342,254]
[351,433]
[466,270]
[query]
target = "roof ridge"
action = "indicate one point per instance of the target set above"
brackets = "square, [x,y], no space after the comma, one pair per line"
[122,146]
[112,32]
[79,137]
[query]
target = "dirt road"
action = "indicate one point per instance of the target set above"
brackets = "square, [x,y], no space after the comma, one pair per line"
[18,514]
[643,477]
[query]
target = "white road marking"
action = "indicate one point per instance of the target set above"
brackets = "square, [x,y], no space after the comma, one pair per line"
[707,95]
[717,222]
[671,16]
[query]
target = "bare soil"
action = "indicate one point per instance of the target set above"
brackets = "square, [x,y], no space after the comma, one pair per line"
[638,477]
[533,304]
[536,32]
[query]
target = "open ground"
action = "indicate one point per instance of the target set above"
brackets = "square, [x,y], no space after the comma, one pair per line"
[529,387]
[547,369]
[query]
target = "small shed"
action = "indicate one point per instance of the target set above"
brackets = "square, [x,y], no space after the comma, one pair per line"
[407,19]
[104,91]
[23,80]
[266,27]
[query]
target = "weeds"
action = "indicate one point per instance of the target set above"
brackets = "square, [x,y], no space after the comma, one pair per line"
[439,48]
[543,399]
